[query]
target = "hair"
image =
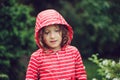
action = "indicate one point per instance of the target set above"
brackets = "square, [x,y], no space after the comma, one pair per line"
[65,36]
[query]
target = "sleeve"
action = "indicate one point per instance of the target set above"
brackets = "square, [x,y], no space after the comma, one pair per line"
[32,70]
[80,72]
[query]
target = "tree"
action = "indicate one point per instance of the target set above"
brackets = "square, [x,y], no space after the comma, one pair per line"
[16,36]
[96,25]
[102,29]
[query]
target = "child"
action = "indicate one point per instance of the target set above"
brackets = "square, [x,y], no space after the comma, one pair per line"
[55,59]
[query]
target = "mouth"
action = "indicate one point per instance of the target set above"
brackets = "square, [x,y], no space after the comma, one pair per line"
[53,41]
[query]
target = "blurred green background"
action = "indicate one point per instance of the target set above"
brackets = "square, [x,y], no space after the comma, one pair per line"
[96,25]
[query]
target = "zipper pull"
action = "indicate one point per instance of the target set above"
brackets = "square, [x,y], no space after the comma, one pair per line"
[57,55]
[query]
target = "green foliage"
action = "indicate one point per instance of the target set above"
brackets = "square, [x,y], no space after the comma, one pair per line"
[101,30]
[91,69]
[16,36]
[96,25]
[4,77]
[108,68]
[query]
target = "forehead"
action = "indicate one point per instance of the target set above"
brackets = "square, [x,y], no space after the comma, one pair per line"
[51,27]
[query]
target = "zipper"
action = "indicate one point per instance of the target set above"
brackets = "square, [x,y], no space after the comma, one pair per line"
[58,56]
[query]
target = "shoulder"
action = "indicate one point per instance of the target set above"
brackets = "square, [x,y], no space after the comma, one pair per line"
[71,48]
[73,51]
[35,56]
[36,53]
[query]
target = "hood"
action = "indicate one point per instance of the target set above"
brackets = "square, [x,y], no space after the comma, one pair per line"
[50,17]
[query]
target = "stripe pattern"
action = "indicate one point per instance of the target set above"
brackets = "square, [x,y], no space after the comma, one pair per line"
[60,65]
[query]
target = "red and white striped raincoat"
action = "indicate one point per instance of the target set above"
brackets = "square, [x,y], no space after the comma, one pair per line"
[65,64]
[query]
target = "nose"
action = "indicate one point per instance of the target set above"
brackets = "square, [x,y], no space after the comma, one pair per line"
[52,35]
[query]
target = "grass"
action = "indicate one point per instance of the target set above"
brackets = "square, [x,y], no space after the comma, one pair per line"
[91,69]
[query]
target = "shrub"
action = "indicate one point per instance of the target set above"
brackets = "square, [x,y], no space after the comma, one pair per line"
[108,69]
[16,36]
[4,77]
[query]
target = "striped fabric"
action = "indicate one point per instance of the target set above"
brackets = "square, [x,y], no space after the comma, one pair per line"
[60,65]
[65,64]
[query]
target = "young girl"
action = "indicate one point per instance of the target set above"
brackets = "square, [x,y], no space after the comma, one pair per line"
[55,59]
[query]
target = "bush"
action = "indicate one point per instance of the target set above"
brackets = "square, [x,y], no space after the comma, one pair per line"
[16,36]
[108,69]
[4,77]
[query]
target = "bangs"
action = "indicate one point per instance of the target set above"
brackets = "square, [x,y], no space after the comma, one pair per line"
[63,29]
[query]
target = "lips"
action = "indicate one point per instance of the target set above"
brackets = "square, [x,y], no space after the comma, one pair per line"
[53,41]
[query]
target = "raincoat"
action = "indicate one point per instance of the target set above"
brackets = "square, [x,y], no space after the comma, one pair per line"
[65,64]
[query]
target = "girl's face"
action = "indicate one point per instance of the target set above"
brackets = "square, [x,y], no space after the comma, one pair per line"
[52,36]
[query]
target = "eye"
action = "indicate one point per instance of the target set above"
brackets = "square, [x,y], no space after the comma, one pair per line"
[57,30]
[46,32]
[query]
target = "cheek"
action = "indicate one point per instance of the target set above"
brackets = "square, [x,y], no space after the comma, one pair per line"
[60,36]
[60,33]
